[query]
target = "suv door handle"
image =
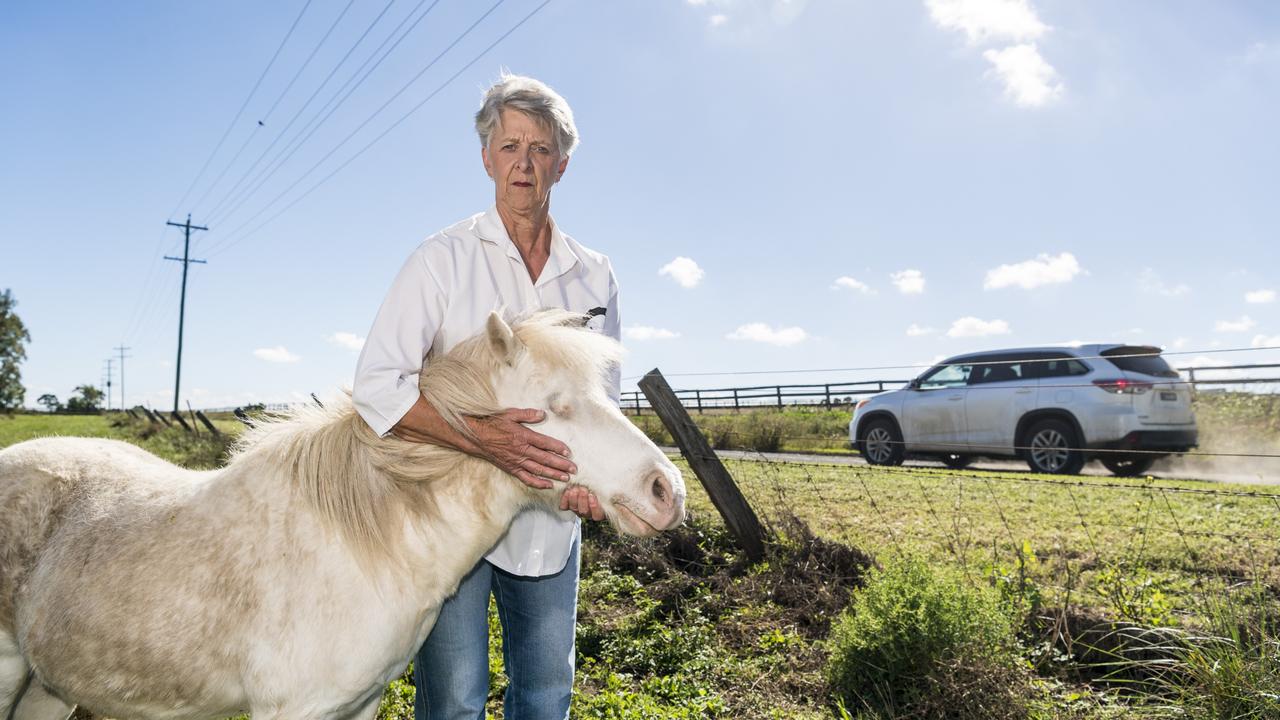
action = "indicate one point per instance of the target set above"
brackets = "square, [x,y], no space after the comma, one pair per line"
[1024,391]
[954,398]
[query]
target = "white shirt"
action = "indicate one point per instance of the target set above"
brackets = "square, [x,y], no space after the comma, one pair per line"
[442,296]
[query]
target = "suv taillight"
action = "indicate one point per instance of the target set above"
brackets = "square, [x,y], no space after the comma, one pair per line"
[1124,386]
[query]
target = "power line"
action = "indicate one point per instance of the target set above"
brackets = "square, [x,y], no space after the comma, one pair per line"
[385,132]
[240,112]
[327,110]
[361,126]
[182,306]
[121,349]
[236,187]
[262,121]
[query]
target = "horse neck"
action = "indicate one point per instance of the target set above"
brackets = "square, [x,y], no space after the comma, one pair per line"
[463,517]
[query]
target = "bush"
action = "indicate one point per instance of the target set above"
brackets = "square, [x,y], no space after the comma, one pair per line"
[920,642]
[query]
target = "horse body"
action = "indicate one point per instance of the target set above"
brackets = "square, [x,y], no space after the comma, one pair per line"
[142,590]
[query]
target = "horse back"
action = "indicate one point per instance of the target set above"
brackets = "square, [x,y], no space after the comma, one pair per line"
[39,482]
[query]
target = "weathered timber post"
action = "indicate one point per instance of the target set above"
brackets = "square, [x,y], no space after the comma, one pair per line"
[779,391]
[178,416]
[725,495]
[698,394]
[132,414]
[243,417]
[736,406]
[192,413]
[204,420]
[160,416]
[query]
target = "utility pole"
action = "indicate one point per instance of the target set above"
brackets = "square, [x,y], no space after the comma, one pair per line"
[182,303]
[121,350]
[108,361]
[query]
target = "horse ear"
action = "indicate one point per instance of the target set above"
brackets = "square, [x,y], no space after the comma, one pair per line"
[504,342]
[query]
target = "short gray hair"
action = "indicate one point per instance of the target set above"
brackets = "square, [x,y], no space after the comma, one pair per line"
[534,98]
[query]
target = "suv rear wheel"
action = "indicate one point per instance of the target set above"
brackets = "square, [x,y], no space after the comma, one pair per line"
[1052,448]
[1128,465]
[882,443]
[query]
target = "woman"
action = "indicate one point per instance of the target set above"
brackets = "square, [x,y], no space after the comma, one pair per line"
[512,257]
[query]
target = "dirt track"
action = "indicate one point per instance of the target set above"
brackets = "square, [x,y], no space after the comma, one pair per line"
[1168,469]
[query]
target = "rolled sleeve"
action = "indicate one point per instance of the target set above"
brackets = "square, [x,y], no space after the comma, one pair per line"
[386,380]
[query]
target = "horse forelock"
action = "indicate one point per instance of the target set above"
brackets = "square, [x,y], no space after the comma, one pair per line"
[558,340]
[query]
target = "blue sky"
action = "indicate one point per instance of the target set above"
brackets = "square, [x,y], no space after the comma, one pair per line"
[848,183]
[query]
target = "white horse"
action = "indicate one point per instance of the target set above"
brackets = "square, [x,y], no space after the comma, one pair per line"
[299,580]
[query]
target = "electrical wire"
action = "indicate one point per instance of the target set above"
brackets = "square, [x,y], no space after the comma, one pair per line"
[298,113]
[392,127]
[243,105]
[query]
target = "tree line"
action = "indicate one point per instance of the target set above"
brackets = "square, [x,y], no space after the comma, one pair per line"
[13,351]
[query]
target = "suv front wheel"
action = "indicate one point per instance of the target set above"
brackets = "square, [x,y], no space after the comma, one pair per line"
[882,443]
[1052,448]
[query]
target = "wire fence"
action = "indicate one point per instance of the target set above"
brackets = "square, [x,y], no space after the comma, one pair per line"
[843,394]
[1149,552]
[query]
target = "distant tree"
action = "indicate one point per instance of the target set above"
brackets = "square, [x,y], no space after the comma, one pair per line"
[13,350]
[50,402]
[85,398]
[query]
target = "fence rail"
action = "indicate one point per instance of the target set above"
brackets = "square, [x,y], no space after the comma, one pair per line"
[841,394]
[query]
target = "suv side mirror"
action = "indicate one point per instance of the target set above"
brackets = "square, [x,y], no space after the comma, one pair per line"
[914,384]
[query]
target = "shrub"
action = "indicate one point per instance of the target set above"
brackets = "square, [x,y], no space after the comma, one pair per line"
[917,634]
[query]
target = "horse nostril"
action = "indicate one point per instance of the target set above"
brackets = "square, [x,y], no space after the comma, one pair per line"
[661,489]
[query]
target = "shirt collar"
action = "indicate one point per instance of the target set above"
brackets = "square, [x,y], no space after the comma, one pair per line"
[490,229]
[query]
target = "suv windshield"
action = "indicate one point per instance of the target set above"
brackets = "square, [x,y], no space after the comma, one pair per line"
[1142,360]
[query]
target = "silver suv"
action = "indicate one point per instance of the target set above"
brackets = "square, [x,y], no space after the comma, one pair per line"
[1055,407]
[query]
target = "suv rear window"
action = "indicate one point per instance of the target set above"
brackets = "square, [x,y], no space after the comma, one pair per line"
[1142,360]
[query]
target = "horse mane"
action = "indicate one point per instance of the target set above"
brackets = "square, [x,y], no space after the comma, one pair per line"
[364,485]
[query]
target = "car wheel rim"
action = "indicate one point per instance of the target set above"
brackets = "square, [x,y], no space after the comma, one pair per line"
[879,445]
[1049,450]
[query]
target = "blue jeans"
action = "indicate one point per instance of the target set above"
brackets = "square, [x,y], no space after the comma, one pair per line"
[538,616]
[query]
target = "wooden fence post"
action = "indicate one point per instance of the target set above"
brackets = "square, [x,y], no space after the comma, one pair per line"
[204,420]
[178,416]
[725,495]
[779,391]
[736,406]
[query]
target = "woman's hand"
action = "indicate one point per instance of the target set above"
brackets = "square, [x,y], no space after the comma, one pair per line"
[533,458]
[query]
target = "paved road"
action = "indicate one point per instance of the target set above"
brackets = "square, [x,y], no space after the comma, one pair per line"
[1248,471]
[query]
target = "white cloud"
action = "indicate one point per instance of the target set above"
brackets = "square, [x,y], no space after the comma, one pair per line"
[277,354]
[1244,324]
[1179,343]
[684,271]
[644,332]
[697,2]
[982,20]
[848,283]
[916,331]
[908,282]
[717,20]
[1044,270]
[350,341]
[1150,282]
[760,332]
[1261,341]
[1259,297]
[973,327]
[1029,80]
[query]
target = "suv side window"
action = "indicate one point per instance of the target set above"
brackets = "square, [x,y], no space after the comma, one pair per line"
[946,376]
[1065,367]
[998,368]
